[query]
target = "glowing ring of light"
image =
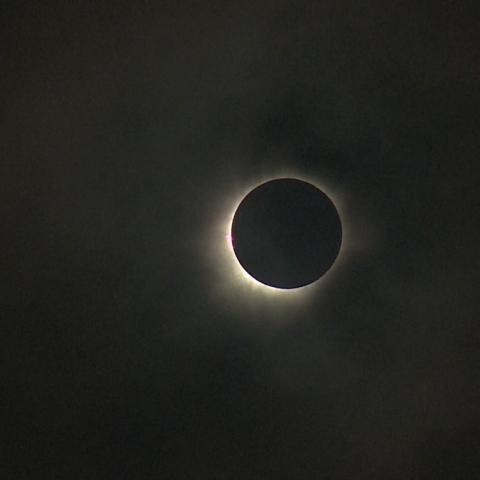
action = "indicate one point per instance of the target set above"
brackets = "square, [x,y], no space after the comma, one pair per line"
[230,285]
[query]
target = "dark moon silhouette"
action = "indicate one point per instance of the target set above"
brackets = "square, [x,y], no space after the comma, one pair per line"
[286,233]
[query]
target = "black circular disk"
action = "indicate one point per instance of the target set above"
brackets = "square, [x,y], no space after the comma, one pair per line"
[286,233]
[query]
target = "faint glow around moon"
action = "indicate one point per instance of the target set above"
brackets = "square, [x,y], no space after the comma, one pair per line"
[232,286]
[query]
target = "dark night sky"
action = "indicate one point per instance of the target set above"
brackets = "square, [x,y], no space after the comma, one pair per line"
[129,350]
